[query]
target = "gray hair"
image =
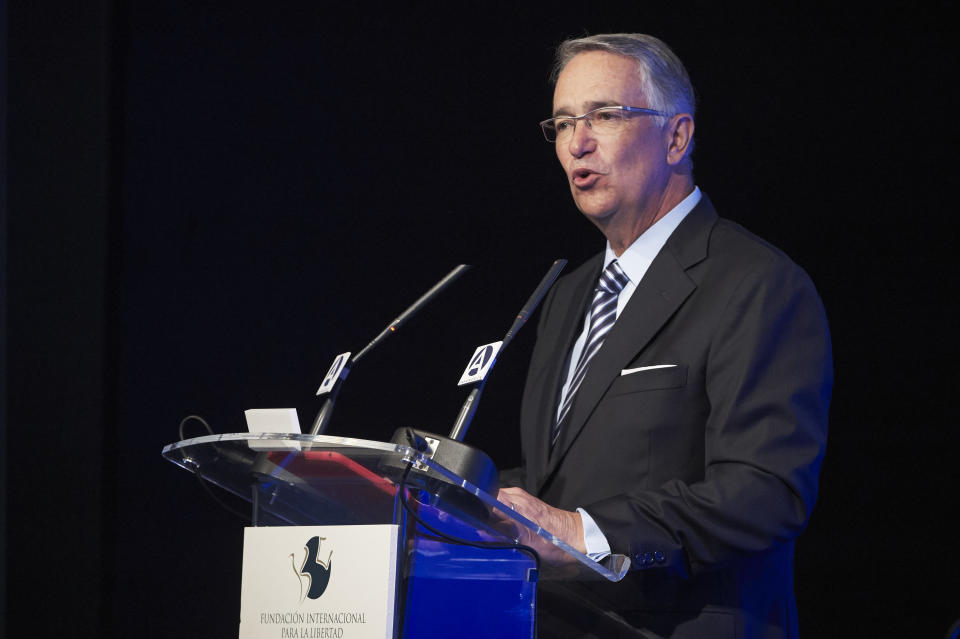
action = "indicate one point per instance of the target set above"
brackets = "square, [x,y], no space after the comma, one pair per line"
[663,77]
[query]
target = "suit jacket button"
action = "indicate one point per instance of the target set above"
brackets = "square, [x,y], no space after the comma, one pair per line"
[658,556]
[648,558]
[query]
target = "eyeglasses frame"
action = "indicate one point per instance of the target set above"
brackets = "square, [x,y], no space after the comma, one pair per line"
[586,117]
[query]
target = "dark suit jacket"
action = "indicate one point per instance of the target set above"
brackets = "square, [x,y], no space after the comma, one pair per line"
[705,472]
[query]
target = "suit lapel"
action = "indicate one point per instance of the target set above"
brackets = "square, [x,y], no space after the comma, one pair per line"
[663,289]
[574,294]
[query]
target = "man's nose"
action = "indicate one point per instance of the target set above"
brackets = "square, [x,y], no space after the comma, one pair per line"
[582,140]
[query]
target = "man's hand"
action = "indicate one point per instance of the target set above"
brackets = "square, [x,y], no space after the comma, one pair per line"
[564,524]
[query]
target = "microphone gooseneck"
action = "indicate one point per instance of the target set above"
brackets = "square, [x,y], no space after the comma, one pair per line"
[322,420]
[469,408]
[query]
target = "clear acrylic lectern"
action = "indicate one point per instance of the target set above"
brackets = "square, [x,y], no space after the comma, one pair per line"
[445,588]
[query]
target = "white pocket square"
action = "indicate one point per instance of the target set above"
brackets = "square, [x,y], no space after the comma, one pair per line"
[630,371]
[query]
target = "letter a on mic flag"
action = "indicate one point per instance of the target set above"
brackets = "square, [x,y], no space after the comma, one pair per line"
[483,358]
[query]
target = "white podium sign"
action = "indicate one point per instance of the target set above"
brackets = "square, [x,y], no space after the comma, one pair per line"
[318,582]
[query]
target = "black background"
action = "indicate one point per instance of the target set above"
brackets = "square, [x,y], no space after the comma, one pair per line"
[208,201]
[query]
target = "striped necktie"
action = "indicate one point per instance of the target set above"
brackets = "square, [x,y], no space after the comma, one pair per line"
[603,313]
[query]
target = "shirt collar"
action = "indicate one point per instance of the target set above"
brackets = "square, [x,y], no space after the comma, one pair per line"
[637,258]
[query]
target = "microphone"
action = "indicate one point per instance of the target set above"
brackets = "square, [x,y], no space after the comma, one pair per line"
[486,356]
[342,363]
[450,452]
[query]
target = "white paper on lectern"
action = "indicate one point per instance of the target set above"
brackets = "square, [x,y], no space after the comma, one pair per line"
[272,420]
[358,602]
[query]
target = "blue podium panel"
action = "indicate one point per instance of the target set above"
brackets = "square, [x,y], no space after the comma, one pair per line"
[468,593]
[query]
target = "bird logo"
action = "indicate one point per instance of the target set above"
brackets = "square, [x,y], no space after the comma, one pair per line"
[313,570]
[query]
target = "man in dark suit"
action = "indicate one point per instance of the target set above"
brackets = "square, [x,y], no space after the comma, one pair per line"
[675,409]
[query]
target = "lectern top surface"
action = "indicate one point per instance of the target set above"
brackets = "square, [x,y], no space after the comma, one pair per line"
[326,480]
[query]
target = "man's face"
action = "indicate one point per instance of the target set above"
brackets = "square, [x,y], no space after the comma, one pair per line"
[615,178]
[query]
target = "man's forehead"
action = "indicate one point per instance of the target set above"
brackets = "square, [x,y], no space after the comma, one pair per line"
[593,79]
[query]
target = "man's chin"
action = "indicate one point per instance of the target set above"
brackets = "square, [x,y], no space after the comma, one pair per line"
[594,203]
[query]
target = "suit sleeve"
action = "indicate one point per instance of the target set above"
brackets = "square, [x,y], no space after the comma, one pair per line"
[767,378]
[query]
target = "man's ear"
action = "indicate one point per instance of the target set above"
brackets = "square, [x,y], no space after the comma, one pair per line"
[679,132]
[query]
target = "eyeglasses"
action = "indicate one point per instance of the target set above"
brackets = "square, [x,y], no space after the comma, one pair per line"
[605,120]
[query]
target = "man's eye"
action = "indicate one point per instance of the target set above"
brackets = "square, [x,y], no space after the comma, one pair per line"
[606,116]
[562,125]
